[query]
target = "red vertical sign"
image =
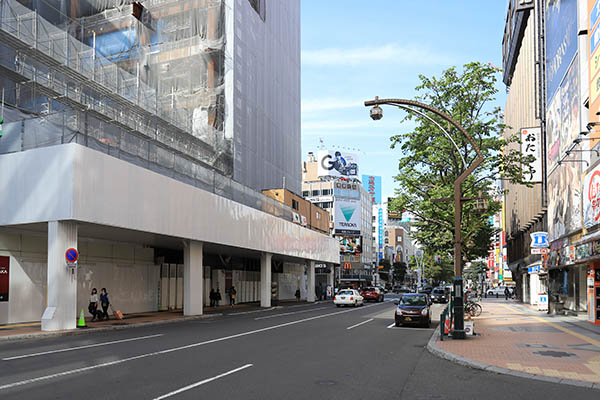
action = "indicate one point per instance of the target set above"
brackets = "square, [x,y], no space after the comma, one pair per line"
[4,283]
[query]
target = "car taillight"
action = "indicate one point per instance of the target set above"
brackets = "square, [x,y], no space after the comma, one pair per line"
[351,298]
[334,298]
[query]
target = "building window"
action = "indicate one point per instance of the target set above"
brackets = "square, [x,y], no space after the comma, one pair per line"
[386,241]
[305,193]
[259,7]
[318,216]
[399,239]
[294,204]
[315,192]
[326,192]
[386,234]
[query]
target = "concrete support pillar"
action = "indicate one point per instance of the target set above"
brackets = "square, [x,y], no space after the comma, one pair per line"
[193,278]
[310,278]
[61,310]
[265,279]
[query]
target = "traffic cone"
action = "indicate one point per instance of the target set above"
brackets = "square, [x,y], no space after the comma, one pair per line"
[81,322]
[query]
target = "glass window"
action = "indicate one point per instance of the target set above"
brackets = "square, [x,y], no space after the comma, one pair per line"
[386,234]
[294,204]
[413,300]
[305,193]
[326,192]
[315,193]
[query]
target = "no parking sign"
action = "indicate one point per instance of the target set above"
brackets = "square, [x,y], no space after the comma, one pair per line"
[71,257]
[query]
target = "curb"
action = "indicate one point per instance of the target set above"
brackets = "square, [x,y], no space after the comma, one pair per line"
[74,332]
[435,350]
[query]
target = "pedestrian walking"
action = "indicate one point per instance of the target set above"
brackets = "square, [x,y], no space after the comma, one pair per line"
[217,298]
[232,295]
[212,296]
[104,302]
[297,294]
[93,306]
[506,293]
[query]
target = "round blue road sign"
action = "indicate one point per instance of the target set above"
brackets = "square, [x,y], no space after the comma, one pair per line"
[71,255]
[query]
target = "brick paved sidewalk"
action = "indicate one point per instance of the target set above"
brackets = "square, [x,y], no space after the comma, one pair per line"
[517,338]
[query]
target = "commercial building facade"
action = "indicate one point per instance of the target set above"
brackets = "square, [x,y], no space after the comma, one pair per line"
[148,155]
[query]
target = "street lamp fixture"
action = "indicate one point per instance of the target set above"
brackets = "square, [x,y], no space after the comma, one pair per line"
[377,114]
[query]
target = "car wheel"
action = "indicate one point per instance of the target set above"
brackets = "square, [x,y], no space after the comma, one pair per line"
[362,303]
[338,305]
[397,324]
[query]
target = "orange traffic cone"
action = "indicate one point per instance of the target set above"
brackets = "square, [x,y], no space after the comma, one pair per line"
[81,322]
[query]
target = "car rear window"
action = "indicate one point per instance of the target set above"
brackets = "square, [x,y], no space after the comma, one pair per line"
[348,292]
[413,300]
[439,291]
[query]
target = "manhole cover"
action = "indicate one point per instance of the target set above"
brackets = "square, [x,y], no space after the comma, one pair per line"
[326,383]
[552,353]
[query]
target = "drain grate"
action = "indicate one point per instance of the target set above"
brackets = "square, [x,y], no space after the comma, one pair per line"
[555,354]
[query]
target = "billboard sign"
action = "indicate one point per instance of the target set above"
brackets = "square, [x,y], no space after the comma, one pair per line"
[372,185]
[350,244]
[531,145]
[337,163]
[561,41]
[347,217]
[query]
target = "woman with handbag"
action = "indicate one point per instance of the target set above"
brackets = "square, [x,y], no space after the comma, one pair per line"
[104,302]
[93,306]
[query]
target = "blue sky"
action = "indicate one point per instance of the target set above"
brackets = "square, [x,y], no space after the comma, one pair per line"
[354,50]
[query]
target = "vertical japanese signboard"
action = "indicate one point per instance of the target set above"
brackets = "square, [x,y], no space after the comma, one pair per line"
[4,277]
[531,145]
[594,62]
[372,185]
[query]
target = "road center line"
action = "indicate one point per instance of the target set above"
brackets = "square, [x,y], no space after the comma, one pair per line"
[171,350]
[360,323]
[391,325]
[290,313]
[183,389]
[80,347]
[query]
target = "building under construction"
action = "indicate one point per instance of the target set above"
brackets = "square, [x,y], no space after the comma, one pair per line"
[141,134]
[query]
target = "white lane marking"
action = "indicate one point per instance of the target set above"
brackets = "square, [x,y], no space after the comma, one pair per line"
[252,312]
[80,347]
[359,324]
[183,389]
[189,346]
[391,325]
[290,313]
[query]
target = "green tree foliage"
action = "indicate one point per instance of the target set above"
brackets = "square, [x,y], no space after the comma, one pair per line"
[474,270]
[399,272]
[430,163]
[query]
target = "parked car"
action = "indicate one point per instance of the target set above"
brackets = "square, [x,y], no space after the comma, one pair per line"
[348,297]
[413,308]
[372,293]
[440,295]
[497,290]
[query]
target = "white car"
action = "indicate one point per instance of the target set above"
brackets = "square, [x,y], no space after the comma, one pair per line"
[497,290]
[348,297]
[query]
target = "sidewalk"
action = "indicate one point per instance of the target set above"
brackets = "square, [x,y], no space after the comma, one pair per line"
[518,340]
[33,329]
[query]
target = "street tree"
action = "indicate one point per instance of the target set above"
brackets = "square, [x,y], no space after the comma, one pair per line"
[430,163]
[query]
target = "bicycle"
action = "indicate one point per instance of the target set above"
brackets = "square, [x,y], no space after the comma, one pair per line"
[473,309]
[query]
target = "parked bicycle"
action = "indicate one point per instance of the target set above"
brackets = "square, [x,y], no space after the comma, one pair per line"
[473,308]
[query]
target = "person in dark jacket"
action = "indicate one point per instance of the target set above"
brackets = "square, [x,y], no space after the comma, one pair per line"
[212,297]
[232,295]
[297,294]
[104,302]
[506,293]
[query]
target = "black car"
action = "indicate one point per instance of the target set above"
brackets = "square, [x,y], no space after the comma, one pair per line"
[440,295]
[413,308]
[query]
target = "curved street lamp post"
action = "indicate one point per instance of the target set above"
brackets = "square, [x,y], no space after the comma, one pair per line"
[377,114]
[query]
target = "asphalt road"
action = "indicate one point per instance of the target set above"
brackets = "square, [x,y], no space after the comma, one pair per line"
[300,352]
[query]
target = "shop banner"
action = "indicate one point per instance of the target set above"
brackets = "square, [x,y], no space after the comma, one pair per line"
[4,277]
[531,145]
[591,198]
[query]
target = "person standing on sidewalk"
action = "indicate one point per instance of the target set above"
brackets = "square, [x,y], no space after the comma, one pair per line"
[217,298]
[93,307]
[232,294]
[104,302]
[211,296]
[506,293]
